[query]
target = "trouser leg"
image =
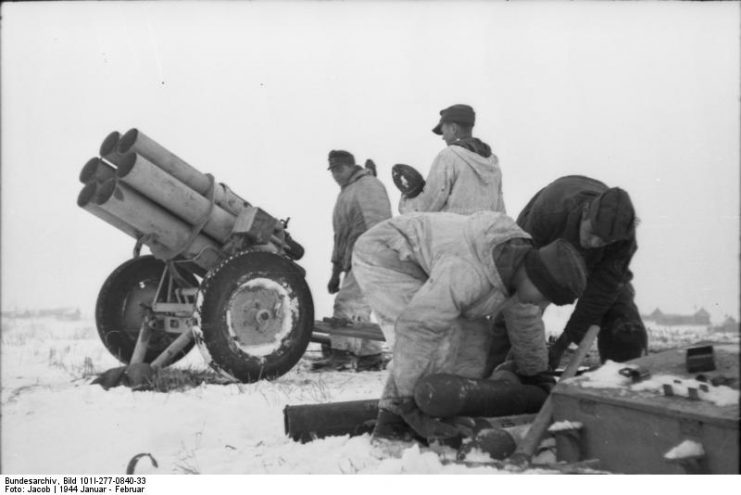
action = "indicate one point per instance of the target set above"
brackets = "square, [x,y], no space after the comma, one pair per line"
[388,284]
[622,334]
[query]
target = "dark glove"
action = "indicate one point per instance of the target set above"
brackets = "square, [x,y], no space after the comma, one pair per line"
[622,340]
[334,281]
[334,284]
[541,380]
[556,350]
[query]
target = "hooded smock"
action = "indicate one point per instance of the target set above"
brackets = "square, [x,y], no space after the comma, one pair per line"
[432,281]
[460,181]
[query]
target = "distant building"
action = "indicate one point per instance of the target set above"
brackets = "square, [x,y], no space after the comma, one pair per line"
[729,325]
[701,317]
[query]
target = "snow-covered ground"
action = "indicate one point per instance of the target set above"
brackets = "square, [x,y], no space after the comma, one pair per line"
[54,421]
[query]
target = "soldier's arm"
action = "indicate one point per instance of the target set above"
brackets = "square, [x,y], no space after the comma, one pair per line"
[372,204]
[526,333]
[603,286]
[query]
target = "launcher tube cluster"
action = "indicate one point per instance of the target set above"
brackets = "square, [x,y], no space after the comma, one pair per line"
[146,191]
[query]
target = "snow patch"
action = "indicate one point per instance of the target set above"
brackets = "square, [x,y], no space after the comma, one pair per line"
[477,455]
[720,395]
[688,448]
[565,426]
[608,376]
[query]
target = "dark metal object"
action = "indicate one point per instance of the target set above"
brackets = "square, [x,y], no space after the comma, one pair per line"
[407,180]
[700,359]
[496,442]
[308,422]
[304,423]
[635,374]
[447,396]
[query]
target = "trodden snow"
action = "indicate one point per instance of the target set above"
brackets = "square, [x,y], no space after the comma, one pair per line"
[55,421]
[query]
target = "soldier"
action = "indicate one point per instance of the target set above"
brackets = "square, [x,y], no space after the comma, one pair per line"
[465,176]
[434,280]
[600,223]
[361,204]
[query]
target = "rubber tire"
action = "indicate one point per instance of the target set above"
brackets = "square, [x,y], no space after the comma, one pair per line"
[110,309]
[217,289]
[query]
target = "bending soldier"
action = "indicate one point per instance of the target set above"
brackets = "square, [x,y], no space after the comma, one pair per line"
[434,279]
[600,223]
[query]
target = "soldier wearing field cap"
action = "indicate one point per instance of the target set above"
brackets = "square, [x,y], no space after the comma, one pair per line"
[465,176]
[361,203]
[599,221]
[434,279]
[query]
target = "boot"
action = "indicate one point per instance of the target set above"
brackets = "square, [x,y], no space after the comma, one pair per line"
[427,427]
[392,427]
[337,361]
[372,362]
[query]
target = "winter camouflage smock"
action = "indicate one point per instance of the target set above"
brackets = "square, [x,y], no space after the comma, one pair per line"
[432,281]
[460,181]
[361,204]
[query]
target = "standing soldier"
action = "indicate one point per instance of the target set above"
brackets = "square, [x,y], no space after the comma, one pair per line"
[361,204]
[465,176]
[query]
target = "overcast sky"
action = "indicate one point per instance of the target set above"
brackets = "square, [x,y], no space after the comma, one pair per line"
[644,96]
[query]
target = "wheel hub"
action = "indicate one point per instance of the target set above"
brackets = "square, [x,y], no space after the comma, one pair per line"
[256,314]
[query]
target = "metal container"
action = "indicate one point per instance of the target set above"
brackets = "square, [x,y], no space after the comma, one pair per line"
[631,430]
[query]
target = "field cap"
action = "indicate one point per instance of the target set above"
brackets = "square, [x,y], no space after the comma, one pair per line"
[612,215]
[460,114]
[340,157]
[558,271]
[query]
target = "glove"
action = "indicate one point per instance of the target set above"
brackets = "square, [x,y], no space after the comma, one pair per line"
[542,380]
[334,284]
[556,350]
